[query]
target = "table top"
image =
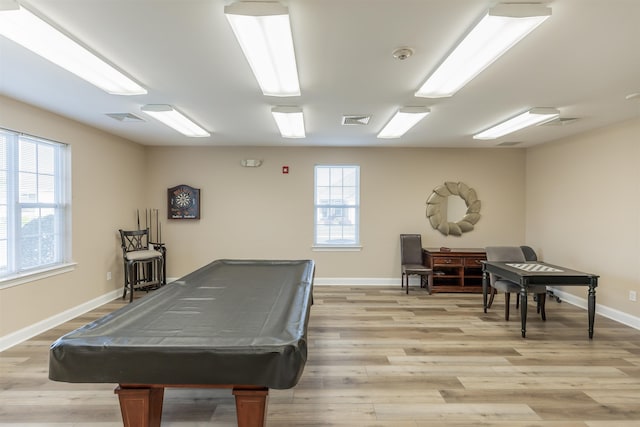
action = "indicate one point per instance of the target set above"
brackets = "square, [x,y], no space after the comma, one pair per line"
[229,322]
[537,272]
[465,251]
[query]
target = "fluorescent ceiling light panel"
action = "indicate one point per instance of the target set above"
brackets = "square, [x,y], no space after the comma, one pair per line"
[404,119]
[264,33]
[535,116]
[174,119]
[500,29]
[26,29]
[290,121]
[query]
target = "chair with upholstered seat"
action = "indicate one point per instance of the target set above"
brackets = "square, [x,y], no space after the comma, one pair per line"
[412,262]
[513,254]
[143,264]
[529,255]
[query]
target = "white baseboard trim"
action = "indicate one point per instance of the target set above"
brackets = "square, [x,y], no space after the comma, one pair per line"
[360,281]
[610,313]
[44,325]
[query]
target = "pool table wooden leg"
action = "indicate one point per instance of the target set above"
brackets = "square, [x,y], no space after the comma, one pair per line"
[140,407]
[251,406]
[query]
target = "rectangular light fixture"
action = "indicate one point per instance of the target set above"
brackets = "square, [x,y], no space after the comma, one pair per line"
[404,119]
[174,119]
[290,121]
[25,28]
[500,29]
[535,116]
[264,33]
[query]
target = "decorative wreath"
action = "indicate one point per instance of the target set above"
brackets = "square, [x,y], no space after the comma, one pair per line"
[439,196]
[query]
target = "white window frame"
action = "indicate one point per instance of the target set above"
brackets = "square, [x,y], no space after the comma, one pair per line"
[52,197]
[336,205]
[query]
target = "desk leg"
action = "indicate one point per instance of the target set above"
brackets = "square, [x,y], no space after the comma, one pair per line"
[485,286]
[592,309]
[251,406]
[140,407]
[523,311]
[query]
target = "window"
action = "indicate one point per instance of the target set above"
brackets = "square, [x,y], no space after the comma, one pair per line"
[33,204]
[337,206]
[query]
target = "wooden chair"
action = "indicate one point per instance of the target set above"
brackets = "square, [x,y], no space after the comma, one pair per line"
[412,262]
[143,264]
[513,254]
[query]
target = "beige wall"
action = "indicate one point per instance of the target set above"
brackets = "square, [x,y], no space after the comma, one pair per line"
[563,190]
[261,213]
[583,208]
[107,182]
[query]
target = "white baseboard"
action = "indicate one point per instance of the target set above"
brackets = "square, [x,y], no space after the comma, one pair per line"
[44,325]
[37,328]
[359,281]
[603,310]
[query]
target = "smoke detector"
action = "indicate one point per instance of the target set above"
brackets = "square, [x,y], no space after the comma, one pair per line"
[402,53]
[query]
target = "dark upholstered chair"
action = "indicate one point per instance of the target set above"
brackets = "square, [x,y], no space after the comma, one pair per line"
[529,253]
[143,265]
[513,254]
[412,262]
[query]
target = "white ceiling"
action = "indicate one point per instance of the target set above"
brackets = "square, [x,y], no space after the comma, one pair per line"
[584,60]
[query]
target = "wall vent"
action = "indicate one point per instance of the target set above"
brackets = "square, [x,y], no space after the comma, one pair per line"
[352,120]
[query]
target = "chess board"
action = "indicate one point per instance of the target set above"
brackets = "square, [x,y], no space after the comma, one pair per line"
[532,267]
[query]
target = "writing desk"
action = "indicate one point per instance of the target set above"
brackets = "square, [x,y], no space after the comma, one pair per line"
[539,273]
[230,324]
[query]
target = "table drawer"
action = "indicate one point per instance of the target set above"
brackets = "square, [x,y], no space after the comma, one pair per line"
[474,261]
[447,261]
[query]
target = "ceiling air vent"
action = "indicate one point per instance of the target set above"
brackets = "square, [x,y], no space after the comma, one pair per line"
[355,120]
[125,117]
[561,121]
[509,143]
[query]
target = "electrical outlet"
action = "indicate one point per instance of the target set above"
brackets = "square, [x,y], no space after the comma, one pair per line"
[632,296]
[108,275]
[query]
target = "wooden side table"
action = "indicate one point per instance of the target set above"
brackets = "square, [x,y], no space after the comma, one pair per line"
[457,270]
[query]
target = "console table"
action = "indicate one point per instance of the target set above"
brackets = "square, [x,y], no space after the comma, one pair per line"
[457,270]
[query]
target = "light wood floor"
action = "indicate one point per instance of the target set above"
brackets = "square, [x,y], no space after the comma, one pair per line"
[378,357]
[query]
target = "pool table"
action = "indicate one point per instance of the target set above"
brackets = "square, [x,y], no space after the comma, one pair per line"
[239,324]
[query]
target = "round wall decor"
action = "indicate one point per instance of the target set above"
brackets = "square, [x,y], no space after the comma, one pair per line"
[435,208]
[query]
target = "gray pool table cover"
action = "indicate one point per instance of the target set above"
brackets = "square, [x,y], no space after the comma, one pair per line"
[229,322]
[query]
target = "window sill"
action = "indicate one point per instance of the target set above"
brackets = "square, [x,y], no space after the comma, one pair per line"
[19,279]
[336,248]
